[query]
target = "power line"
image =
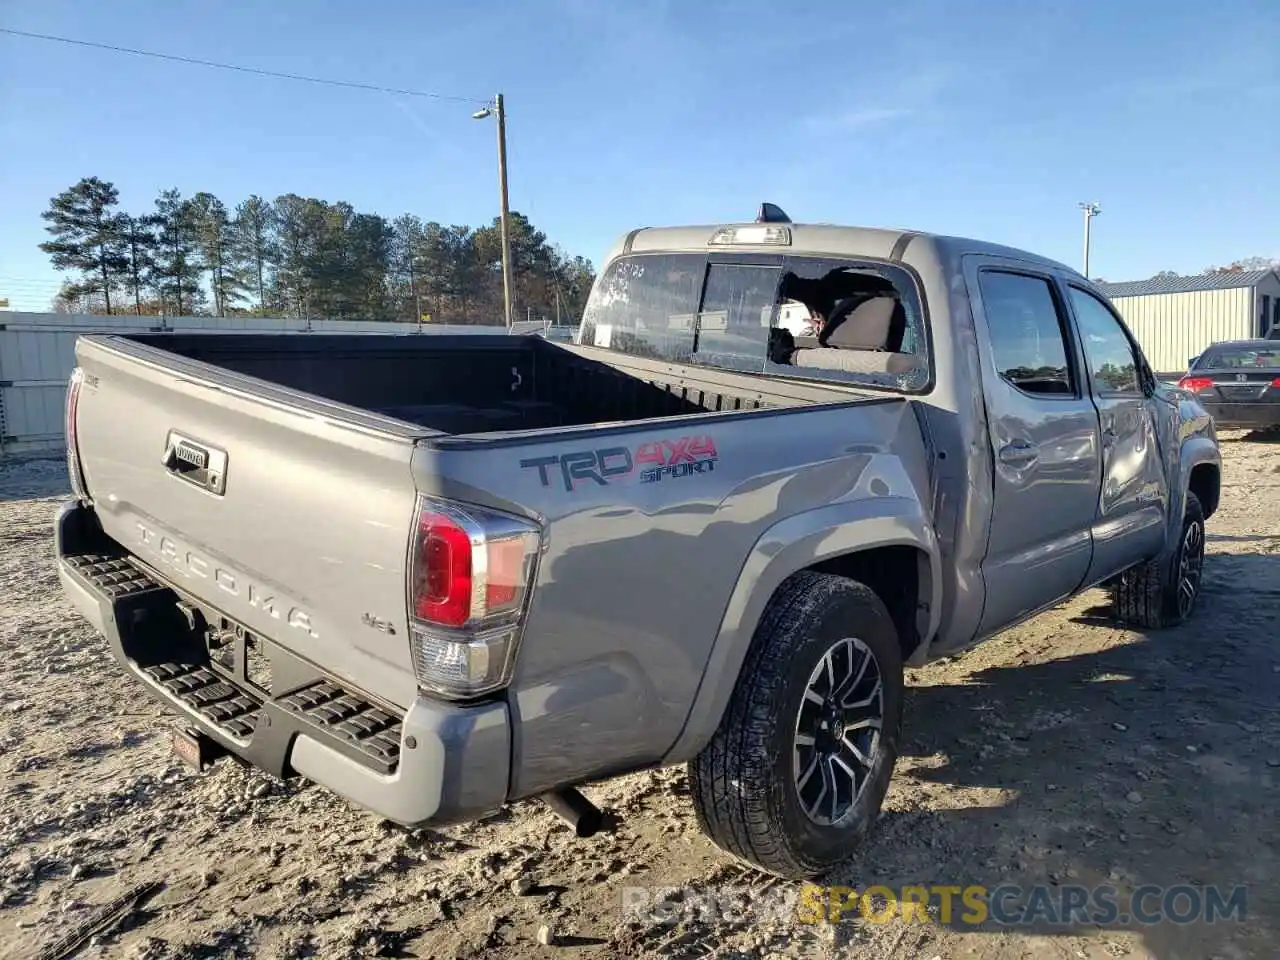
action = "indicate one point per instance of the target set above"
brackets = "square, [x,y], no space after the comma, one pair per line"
[355,85]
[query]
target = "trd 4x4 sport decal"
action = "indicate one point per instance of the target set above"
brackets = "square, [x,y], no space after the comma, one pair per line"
[656,460]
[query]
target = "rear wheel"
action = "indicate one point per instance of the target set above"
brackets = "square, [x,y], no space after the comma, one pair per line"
[794,778]
[1163,593]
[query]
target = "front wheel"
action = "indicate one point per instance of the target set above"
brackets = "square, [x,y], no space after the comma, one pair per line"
[794,777]
[1163,593]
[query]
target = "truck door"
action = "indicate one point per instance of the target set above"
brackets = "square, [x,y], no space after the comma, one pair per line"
[1130,526]
[1043,429]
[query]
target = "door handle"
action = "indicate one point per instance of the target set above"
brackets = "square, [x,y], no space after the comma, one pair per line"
[1019,453]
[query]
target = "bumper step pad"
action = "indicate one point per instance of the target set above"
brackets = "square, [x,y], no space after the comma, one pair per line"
[372,731]
[115,576]
[209,695]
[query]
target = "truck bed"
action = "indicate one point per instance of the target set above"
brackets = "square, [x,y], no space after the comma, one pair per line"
[483,384]
[310,454]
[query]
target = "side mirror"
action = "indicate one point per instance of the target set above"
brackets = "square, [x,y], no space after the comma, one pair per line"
[1192,361]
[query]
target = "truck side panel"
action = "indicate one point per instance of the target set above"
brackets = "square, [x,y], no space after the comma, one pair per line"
[648,528]
[892,519]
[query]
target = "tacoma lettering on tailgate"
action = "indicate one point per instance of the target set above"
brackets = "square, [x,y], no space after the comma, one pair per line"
[657,460]
[166,551]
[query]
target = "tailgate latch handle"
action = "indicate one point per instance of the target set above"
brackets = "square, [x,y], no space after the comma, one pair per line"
[197,463]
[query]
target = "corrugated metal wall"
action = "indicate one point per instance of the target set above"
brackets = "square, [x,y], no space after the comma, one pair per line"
[1173,327]
[37,354]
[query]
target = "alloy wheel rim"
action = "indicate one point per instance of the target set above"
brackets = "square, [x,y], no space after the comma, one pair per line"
[1190,565]
[837,732]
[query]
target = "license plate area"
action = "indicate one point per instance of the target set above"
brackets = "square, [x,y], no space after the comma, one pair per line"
[195,749]
[240,654]
[1250,391]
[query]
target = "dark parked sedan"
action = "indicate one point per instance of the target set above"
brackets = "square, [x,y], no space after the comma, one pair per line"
[1238,383]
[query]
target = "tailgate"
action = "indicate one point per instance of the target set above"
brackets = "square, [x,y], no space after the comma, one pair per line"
[287,514]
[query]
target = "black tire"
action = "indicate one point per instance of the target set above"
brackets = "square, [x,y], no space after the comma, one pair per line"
[746,783]
[1154,595]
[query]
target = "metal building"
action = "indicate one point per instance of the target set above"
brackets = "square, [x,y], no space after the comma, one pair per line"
[1175,318]
[37,353]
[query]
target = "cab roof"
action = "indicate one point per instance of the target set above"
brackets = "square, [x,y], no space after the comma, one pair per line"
[815,239]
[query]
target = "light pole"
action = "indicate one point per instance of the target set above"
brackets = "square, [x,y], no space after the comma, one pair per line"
[499,110]
[1091,210]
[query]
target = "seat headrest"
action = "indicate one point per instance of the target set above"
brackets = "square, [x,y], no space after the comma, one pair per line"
[866,327]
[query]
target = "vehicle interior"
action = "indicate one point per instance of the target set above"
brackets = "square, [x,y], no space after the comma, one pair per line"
[863,329]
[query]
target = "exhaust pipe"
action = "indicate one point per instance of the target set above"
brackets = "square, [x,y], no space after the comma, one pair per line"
[576,810]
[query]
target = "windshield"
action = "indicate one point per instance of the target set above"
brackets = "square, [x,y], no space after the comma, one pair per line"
[1240,357]
[819,318]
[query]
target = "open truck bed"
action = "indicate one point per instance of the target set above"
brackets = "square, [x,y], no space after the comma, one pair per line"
[471,384]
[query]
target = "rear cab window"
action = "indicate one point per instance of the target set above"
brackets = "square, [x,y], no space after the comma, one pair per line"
[821,318]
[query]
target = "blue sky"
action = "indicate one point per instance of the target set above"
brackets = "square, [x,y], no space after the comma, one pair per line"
[989,120]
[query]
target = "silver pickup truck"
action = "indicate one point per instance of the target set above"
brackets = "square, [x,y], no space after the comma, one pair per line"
[438,574]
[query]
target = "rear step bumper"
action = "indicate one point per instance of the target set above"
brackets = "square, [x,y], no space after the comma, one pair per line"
[437,764]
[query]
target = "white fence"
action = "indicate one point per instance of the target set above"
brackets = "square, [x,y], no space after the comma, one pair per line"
[37,354]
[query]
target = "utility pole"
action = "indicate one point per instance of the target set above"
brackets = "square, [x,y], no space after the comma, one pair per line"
[413,285]
[499,110]
[1091,210]
[506,212]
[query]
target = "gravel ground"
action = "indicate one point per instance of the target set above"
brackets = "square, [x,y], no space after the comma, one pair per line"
[1065,751]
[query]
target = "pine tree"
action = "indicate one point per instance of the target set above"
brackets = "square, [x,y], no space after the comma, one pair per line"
[139,241]
[176,265]
[406,272]
[256,247]
[87,234]
[302,256]
[217,250]
[368,242]
[294,233]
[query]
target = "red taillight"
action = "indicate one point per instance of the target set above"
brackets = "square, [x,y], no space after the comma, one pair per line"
[75,474]
[442,591]
[1276,382]
[471,571]
[506,573]
[1195,384]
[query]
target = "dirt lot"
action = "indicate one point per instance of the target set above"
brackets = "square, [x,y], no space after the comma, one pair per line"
[1064,752]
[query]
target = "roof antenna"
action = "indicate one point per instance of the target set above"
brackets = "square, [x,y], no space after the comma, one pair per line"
[772,213]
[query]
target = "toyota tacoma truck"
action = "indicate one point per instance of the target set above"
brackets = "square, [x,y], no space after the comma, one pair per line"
[439,574]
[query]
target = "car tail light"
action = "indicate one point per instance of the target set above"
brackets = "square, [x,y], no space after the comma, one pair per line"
[74,471]
[1195,384]
[1276,382]
[470,574]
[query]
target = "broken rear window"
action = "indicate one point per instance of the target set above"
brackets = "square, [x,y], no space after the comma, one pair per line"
[806,317]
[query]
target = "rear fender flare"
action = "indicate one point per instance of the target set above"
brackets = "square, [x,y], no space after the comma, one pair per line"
[787,547]
[1196,451]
